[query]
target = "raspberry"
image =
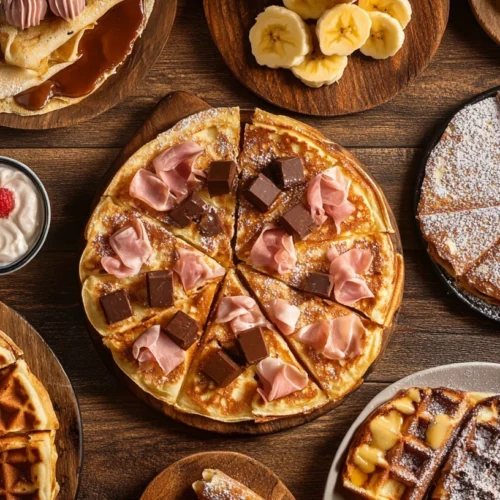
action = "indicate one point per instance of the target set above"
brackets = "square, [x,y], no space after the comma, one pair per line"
[7,202]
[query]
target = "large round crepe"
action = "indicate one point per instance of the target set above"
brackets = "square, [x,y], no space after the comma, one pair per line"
[34,55]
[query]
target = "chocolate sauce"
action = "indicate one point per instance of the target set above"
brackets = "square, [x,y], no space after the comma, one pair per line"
[101,50]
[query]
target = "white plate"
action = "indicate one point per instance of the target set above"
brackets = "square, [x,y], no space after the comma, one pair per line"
[472,377]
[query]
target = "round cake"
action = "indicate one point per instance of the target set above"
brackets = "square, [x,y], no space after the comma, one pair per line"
[242,279]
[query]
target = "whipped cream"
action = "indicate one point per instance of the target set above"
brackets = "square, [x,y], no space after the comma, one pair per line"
[21,229]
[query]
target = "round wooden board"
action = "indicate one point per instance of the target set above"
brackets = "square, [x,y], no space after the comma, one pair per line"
[169,111]
[366,82]
[175,482]
[487,13]
[46,367]
[117,87]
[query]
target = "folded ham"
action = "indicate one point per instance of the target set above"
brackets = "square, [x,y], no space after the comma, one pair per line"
[346,270]
[274,249]
[132,248]
[241,312]
[284,315]
[336,339]
[279,379]
[193,270]
[154,346]
[327,196]
[174,177]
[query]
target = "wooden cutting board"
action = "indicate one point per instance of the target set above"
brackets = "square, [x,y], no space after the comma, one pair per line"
[175,482]
[366,82]
[116,88]
[487,13]
[46,367]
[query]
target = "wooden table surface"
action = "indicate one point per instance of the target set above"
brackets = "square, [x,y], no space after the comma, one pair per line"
[126,444]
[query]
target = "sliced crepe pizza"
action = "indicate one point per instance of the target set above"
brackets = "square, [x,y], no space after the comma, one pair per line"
[156,354]
[287,165]
[232,382]
[335,344]
[186,179]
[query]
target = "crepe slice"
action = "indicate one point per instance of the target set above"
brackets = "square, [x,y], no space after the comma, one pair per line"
[9,352]
[216,485]
[242,400]
[484,278]
[337,362]
[28,465]
[160,368]
[272,137]
[216,132]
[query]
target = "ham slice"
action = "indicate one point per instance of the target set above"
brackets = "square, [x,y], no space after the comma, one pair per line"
[327,196]
[284,315]
[279,379]
[193,270]
[154,346]
[346,270]
[274,249]
[150,189]
[132,248]
[241,312]
[336,339]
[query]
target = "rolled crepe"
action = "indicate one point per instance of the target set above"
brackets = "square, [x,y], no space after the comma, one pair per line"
[217,485]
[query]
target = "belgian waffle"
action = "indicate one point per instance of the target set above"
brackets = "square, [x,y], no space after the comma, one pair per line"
[397,451]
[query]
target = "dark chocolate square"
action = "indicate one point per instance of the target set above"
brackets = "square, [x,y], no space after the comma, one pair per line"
[287,172]
[252,345]
[297,222]
[210,224]
[160,288]
[183,330]
[221,369]
[220,178]
[320,284]
[188,211]
[116,306]
[262,193]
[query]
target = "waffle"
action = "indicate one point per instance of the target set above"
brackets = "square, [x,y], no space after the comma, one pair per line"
[219,486]
[397,451]
[472,470]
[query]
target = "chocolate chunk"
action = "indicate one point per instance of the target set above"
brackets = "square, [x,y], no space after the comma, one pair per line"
[262,193]
[220,178]
[221,369]
[116,306]
[319,284]
[210,224]
[160,288]
[287,172]
[297,221]
[183,330]
[189,210]
[252,345]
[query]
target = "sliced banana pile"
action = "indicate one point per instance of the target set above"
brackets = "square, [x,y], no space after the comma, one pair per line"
[318,53]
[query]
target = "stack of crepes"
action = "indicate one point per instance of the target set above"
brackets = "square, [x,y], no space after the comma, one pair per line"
[32,56]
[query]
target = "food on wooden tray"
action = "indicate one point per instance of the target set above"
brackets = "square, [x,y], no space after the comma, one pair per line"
[217,485]
[421,435]
[21,214]
[318,55]
[459,209]
[315,233]
[28,427]
[55,54]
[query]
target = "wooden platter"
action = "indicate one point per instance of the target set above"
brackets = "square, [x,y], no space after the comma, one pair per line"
[487,13]
[366,82]
[46,367]
[173,108]
[175,482]
[117,87]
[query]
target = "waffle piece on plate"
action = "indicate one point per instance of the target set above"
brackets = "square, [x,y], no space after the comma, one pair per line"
[397,451]
[159,178]
[216,486]
[472,470]
[231,383]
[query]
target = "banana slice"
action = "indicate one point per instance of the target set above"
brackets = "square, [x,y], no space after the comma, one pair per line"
[318,70]
[386,36]
[398,9]
[307,9]
[280,38]
[343,29]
